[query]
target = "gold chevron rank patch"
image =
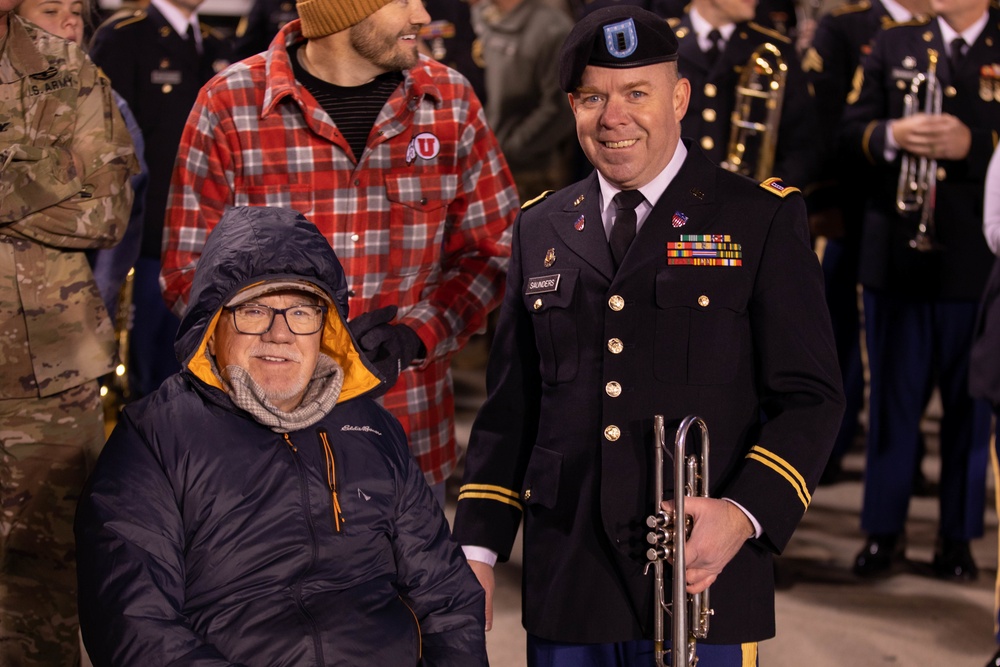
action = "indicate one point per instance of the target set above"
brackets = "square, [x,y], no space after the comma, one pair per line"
[704,250]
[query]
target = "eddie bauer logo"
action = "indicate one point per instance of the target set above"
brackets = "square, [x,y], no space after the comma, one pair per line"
[364,429]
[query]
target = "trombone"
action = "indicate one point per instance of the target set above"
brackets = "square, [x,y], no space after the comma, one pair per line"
[762,79]
[689,613]
[917,187]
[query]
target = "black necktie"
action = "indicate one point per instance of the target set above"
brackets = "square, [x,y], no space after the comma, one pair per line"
[191,44]
[957,55]
[624,230]
[715,48]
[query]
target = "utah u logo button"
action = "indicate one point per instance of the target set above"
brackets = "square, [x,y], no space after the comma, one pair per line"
[427,145]
[620,38]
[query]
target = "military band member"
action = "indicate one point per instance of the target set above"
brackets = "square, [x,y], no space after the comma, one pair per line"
[920,306]
[256,30]
[839,48]
[780,15]
[157,59]
[716,39]
[598,333]
[450,39]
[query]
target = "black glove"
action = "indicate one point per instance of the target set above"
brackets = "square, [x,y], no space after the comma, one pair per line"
[389,347]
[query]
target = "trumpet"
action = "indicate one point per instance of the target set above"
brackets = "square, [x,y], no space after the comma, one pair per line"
[668,531]
[917,187]
[760,92]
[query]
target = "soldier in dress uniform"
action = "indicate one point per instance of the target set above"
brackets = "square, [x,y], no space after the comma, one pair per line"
[716,40]
[256,30]
[715,308]
[839,48]
[450,39]
[157,58]
[780,15]
[920,305]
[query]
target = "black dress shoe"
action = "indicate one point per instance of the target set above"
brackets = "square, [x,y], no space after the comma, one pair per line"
[995,662]
[953,560]
[879,555]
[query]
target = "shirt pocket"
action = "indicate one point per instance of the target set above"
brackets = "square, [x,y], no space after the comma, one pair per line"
[418,213]
[701,327]
[279,193]
[549,299]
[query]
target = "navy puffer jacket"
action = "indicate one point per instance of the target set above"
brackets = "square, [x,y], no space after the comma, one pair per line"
[205,538]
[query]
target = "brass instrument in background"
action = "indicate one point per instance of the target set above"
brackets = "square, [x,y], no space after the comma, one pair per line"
[917,188]
[668,531]
[757,113]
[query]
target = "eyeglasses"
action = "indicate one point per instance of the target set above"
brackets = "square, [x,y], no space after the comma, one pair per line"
[256,320]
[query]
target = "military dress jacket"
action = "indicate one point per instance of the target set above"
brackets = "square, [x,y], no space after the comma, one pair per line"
[65,159]
[779,15]
[959,270]
[839,48]
[159,73]
[583,359]
[713,97]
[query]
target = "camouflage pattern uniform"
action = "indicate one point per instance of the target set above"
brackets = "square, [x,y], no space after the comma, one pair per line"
[64,166]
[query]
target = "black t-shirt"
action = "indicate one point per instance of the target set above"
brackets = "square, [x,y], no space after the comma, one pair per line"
[353,109]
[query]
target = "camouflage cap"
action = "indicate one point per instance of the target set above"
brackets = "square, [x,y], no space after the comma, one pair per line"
[620,37]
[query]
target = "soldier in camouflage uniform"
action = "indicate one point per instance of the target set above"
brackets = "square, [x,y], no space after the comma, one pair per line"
[65,159]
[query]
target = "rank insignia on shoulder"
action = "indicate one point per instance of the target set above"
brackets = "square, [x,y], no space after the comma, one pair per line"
[125,17]
[776,187]
[812,61]
[531,202]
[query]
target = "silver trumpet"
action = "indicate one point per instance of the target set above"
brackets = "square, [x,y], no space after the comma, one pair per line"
[917,187]
[689,613]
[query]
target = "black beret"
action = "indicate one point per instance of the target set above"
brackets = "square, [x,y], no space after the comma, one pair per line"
[620,36]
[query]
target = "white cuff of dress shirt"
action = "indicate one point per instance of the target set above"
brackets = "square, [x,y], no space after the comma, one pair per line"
[891,146]
[481,554]
[757,530]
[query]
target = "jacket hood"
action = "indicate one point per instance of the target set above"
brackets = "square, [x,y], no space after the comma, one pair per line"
[253,245]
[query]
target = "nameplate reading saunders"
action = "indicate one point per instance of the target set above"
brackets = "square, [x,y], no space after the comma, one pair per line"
[542,284]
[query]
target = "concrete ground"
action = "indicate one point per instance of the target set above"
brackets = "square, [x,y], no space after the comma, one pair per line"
[827,617]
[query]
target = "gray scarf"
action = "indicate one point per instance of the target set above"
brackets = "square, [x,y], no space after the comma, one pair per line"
[320,397]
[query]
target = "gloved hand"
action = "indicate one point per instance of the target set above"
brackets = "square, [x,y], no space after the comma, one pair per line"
[390,347]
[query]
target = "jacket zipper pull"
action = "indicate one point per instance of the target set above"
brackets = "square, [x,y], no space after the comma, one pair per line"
[288,441]
[331,479]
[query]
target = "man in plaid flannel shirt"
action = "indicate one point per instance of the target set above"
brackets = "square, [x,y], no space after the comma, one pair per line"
[388,153]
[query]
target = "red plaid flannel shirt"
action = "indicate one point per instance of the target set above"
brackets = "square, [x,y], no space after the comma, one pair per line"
[422,221]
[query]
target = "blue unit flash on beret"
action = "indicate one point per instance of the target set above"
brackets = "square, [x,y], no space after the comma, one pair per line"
[620,38]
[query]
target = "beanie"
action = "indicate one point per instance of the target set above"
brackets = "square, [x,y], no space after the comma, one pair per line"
[325,17]
[618,36]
